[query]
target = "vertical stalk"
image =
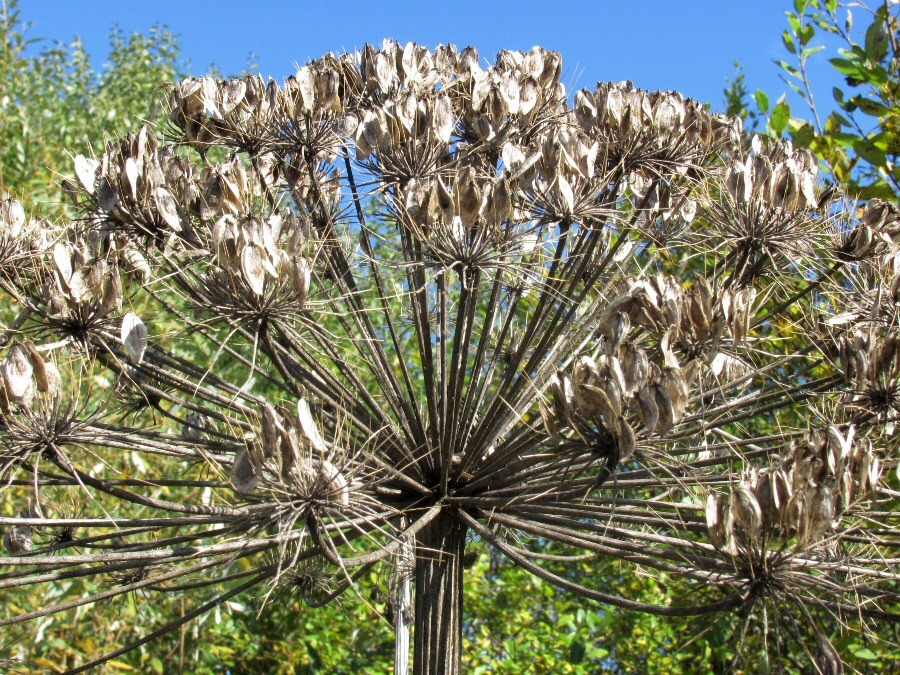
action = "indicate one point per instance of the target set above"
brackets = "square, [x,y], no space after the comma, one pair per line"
[439,597]
[404,563]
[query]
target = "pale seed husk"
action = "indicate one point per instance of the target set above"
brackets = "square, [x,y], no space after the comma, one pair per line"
[134,337]
[168,209]
[648,408]
[626,440]
[18,375]
[17,541]
[309,426]
[253,267]
[54,379]
[746,510]
[243,475]
[86,172]
[62,262]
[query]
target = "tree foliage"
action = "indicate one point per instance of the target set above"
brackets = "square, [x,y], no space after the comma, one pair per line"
[859,140]
[56,105]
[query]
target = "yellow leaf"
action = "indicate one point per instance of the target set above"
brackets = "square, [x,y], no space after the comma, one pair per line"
[121,666]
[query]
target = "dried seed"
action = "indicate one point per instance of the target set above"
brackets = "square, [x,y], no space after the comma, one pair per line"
[168,209]
[253,267]
[243,475]
[309,426]
[41,377]
[134,337]
[86,171]
[648,408]
[626,440]
[746,510]
[18,374]
[828,661]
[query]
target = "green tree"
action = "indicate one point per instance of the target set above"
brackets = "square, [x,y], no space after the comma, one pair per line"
[859,141]
[55,105]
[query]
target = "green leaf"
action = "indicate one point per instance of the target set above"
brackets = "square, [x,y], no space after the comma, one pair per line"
[834,123]
[876,41]
[787,67]
[780,116]
[866,654]
[806,34]
[762,100]
[869,152]
[845,138]
[844,66]
[803,134]
[870,107]
[788,41]
[809,51]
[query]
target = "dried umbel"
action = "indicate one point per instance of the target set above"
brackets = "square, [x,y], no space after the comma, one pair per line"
[408,297]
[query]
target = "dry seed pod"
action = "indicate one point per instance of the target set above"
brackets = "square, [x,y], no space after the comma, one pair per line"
[301,276]
[819,513]
[18,374]
[54,379]
[648,408]
[309,426]
[618,329]
[767,497]
[287,454]
[12,218]
[271,429]
[635,368]
[720,523]
[626,440]
[18,540]
[38,365]
[243,475]
[746,510]
[136,265]
[563,396]
[132,173]
[828,661]
[134,337]
[194,426]
[592,399]
[111,292]
[168,209]
[86,171]
[666,408]
[442,121]
[253,267]
[62,262]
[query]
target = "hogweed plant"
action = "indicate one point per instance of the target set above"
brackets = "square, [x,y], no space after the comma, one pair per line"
[407,303]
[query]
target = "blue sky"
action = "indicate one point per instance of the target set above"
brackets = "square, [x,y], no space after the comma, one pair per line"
[688,45]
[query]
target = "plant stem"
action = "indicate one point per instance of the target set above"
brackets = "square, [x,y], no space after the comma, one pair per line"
[439,597]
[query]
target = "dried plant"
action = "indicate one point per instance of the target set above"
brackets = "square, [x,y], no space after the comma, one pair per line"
[408,298]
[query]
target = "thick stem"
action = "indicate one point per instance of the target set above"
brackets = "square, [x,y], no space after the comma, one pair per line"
[439,597]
